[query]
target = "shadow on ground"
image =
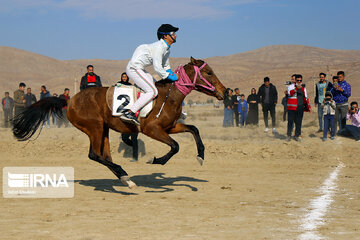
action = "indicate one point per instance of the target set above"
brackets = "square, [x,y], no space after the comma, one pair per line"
[156,182]
[279,136]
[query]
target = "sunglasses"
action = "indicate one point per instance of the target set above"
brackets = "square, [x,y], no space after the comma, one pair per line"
[299,80]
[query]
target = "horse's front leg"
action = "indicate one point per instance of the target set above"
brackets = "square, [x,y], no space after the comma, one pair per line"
[157,133]
[179,128]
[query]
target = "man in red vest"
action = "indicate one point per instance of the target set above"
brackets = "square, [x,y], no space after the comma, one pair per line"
[90,79]
[297,103]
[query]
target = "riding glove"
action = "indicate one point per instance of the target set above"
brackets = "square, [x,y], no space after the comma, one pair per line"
[172,77]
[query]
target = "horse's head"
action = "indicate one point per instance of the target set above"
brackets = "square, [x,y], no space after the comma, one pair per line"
[206,81]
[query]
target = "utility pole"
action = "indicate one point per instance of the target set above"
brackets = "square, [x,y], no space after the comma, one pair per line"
[75,84]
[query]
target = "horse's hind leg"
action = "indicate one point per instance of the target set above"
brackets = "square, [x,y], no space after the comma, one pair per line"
[116,169]
[100,151]
[159,134]
[179,128]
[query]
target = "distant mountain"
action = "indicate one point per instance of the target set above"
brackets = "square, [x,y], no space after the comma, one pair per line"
[243,70]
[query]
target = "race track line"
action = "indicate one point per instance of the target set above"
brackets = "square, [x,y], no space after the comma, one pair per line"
[319,206]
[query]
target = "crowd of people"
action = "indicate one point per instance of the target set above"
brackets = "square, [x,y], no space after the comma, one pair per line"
[21,100]
[331,101]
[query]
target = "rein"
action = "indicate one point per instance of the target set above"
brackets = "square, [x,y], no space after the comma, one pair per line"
[185,85]
[166,97]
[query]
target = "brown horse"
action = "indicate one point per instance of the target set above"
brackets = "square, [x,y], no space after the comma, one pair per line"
[88,111]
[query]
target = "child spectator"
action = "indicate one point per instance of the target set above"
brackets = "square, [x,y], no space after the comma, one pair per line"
[242,109]
[328,108]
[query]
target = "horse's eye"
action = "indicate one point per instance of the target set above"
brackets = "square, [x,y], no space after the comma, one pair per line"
[209,73]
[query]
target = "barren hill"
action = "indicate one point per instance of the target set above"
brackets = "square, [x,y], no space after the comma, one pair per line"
[243,70]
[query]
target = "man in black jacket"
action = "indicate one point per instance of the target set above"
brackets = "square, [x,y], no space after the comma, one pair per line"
[235,102]
[268,97]
[90,79]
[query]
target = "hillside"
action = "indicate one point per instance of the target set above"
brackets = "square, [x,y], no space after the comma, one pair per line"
[243,70]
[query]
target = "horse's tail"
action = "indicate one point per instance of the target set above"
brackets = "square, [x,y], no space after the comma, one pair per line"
[27,122]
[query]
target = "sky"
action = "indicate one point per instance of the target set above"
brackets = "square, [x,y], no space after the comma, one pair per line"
[112,29]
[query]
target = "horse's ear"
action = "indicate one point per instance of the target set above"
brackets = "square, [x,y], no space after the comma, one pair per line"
[193,60]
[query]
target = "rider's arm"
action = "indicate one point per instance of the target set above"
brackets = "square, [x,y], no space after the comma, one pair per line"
[158,57]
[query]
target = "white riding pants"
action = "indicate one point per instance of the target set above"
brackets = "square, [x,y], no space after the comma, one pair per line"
[146,82]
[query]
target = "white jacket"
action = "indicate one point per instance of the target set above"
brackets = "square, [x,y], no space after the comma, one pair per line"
[156,54]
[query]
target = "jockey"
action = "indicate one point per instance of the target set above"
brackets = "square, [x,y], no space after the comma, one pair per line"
[156,54]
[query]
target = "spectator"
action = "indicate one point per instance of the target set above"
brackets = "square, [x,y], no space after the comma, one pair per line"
[228,112]
[235,101]
[268,97]
[126,136]
[44,94]
[130,152]
[253,114]
[29,97]
[328,108]
[334,82]
[133,143]
[124,79]
[232,108]
[8,106]
[90,79]
[334,79]
[285,98]
[284,103]
[64,120]
[242,109]
[293,78]
[322,87]
[297,103]
[55,119]
[341,93]
[19,99]
[353,129]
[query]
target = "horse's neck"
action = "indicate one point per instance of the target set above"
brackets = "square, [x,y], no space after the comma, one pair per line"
[175,95]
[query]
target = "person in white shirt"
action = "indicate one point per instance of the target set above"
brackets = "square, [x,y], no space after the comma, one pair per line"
[156,54]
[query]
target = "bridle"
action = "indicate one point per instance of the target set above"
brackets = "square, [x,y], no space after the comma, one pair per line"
[185,85]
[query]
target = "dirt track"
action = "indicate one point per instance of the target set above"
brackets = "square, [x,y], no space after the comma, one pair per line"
[251,186]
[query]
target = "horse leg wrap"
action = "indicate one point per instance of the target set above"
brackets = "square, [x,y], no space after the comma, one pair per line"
[126,181]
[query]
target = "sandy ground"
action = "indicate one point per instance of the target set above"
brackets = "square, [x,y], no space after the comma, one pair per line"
[252,185]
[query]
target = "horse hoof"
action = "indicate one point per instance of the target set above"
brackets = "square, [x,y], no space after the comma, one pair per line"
[150,161]
[126,181]
[200,160]
[131,184]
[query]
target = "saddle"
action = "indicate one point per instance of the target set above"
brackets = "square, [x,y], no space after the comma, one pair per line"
[121,97]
